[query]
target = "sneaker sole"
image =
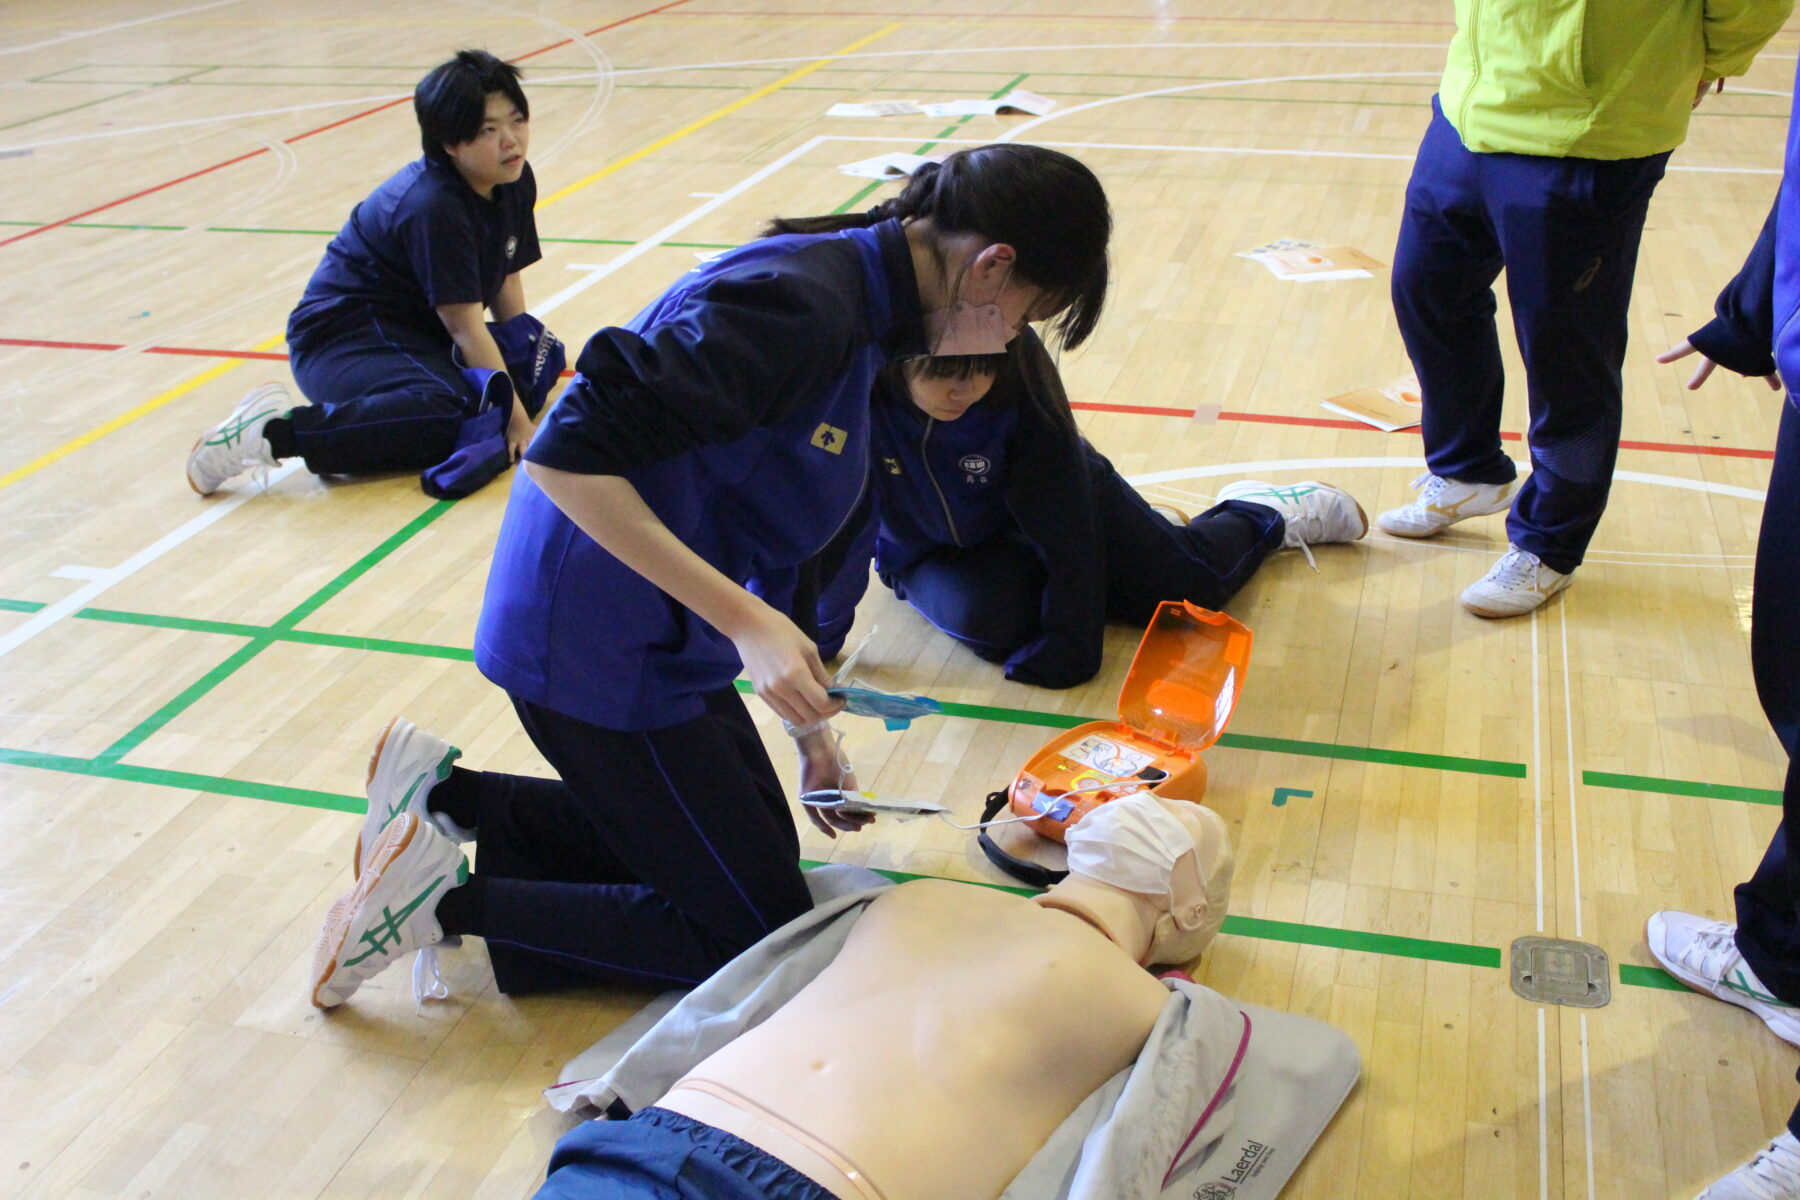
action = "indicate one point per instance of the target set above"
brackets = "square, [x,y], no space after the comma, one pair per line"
[369,783]
[190,468]
[330,946]
[1695,984]
[375,755]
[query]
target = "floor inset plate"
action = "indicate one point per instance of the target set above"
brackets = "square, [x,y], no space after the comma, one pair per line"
[1559,971]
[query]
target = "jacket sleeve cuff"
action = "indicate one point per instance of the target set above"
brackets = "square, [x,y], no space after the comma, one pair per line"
[1719,341]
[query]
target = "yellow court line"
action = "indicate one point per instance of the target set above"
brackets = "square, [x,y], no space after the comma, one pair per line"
[125,418]
[709,118]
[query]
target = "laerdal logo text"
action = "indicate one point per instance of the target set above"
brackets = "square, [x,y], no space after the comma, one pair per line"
[1250,1162]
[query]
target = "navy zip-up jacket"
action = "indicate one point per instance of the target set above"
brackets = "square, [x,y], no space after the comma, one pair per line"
[1755,331]
[958,483]
[738,406]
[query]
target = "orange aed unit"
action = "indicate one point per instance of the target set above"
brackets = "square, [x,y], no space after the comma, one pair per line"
[1178,696]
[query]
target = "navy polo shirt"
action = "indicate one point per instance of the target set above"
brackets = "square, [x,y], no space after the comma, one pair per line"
[422,239]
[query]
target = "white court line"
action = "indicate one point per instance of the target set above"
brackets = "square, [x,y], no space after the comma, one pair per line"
[634,252]
[1537,769]
[1587,1100]
[70,37]
[1543,1116]
[76,571]
[1587,1090]
[582,76]
[44,618]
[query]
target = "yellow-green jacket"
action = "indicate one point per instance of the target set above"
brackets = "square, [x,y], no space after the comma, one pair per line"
[1593,78]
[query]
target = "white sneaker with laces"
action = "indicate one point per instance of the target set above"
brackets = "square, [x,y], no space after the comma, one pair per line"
[405,765]
[1703,954]
[1315,512]
[1442,503]
[1774,1174]
[391,912]
[236,444]
[1517,583]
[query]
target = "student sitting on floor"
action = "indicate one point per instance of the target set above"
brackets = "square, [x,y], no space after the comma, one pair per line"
[993,517]
[389,341]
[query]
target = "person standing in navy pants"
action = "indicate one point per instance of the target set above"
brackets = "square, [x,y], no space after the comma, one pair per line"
[1550,132]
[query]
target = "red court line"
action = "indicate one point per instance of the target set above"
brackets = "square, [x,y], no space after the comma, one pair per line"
[1041,16]
[1143,410]
[299,137]
[649,12]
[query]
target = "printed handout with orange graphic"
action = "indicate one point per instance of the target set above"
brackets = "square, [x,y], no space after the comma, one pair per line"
[1397,405]
[1309,262]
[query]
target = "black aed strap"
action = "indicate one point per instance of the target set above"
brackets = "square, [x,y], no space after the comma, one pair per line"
[1021,869]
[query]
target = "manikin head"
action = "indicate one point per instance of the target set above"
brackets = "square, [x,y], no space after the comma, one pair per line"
[1153,875]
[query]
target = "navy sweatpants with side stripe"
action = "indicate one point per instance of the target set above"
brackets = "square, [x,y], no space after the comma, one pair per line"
[1768,904]
[654,859]
[388,398]
[1567,231]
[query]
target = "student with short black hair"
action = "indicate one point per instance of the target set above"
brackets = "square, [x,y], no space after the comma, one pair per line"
[389,342]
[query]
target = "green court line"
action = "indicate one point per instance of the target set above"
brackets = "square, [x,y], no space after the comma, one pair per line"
[304,636]
[189,695]
[864,193]
[1245,741]
[1681,787]
[1633,975]
[187,780]
[137,734]
[1368,943]
[979,712]
[362,566]
[72,108]
[1266,930]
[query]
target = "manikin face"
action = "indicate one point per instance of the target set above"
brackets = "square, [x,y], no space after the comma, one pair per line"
[947,399]
[496,154]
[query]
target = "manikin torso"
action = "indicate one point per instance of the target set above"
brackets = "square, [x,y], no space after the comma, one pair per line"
[941,1048]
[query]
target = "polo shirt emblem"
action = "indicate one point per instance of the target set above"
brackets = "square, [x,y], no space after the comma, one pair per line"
[829,437]
[512,244]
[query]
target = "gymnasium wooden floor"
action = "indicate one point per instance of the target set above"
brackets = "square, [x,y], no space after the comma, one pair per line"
[190,687]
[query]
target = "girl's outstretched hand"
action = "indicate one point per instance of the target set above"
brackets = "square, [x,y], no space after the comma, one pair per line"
[784,667]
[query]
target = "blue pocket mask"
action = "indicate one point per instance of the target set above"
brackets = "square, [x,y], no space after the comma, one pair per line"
[895,709]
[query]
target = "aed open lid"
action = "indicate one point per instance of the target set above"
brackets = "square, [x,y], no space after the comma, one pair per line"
[1186,676]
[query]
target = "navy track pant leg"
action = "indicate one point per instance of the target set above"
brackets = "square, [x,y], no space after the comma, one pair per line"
[390,400]
[1768,904]
[1567,231]
[690,820]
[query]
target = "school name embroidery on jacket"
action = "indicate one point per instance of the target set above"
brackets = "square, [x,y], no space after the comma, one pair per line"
[829,437]
[975,468]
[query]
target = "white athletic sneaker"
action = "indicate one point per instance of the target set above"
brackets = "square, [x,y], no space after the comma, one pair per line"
[1517,583]
[392,910]
[1170,513]
[1703,954]
[1442,503]
[405,765]
[1774,1174]
[236,444]
[1315,512]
